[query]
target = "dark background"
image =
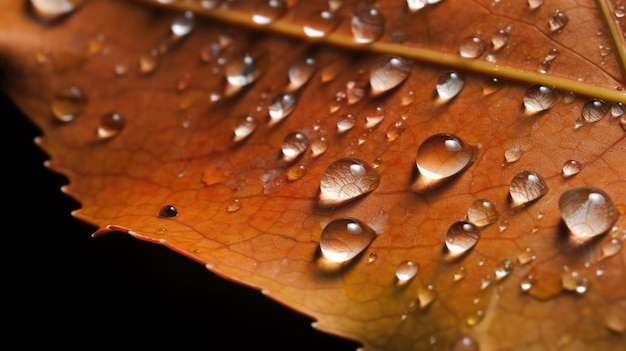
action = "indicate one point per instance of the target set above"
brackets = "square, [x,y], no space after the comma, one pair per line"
[67,289]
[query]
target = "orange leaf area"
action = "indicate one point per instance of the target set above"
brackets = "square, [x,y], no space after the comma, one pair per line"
[402,204]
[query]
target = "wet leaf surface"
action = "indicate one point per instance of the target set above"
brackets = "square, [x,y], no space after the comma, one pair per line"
[145,120]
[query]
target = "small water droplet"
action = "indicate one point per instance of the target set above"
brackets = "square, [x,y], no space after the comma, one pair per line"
[482,213]
[557,21]
[615,318]
[344,238]
[245,128]
[504,269]
[148,63]
[574,281]
[485,282]
[500,38]
[449,84]
[346,122]
[111,125]
[587,212]
[465,343]
[459,274]
[294,145]
[594,110]
[526,186]
[526,256]
[68,104]
[472,47]
[281,107]
[426,295]
[347,179]
[387,73]
[51,10]
[545,64]
[611,247]
[240,73]
[394,130]
[367,25]
[320,23]
[539,98]
[440,157]
[534,4]
[296,173]
[617,109]
[234,205]
[183,24]
[212,51]
[460,238]
[168,211]
[319,146]
[492,85]
[513,154]
[475,318]
[268,11]
[372,257]
[300,73]
[406,271]
[527,283]
[571,167]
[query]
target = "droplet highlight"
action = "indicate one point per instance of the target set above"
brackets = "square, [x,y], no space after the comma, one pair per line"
[527,186]
[344,238]
[345,180]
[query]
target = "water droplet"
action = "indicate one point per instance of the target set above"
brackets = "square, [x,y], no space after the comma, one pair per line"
[513,154]
[557,21]
[526,256]
[111,125]
[527,283]
[503,225]
[344,238]
[547,60]
[183,24]
[611,247]
[294,145]
[406,271]
[300,73]
[475,318]
[268,11]
[504,269]
[539,98]
[68,104]
[367,25]
[372,257]
[416,5]
[320,23]
[534,4]
[587,212]
[148,63]
[492,85]
[459,274]
[212,51]
[620,11]
[571,167]
[245,128]
[354,93]
[296,173]
[482,213]
[387,73]
[615,318]
[465,343]
[375,117]
[319,146]
[347,179]
[51,10]
[281,107]
[527,186]
[440,157]
[394,130]
[240,73]
[426,295]
[574,281]
[168,211]
[234,205]
[500,38]
[449,84]
[472,47]
[460,238]
[594,110]
[617,109]
[346,122]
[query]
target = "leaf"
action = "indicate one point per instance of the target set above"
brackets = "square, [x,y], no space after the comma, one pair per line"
[170,169]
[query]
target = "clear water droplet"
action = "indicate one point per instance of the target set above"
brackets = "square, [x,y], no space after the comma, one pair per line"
[68,104]
[346,122]
[245,128]
[449,84]
[459,274]
[504,225]
[594,110]
[372,257]
[183,24]
[526,256]
[148,63]
[406,271]
[465,343]
[587,212]
[281,107]
[367,25]
[527,186]
[527,283]
[234,205]
[374,117]
[482,213]
[344,238]
[539,98]
[294,145]
[394,130]
[545,64]
[268,11]
[492,85]
[426,295]
[460,238]
[611,248]
[212,51]
[534,4]
[617,109]
[110,126]
[416,5]
[241,72]
[168,211]
[387,73]
[557,21]
[319,146]
[504,269]
[485,281]
[49,10]
[574,281]
[475,318]
[571,167]
[300,72]
[500,38]
[320,23]
[345,180]
[615,319]
[513,154]
[620,11]
[472,47]
[440,157]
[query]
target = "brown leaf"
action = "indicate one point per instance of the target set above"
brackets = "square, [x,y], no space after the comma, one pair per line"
[146,132]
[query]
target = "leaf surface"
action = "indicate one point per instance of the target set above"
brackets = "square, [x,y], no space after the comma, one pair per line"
[173,171]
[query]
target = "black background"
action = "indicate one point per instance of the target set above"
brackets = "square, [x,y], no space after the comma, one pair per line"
[64,288]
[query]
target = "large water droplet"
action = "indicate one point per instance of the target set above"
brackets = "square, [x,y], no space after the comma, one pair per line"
[615,318]
[460,238]
[281,107]
[387,73]
[245,128]
[344,238]
[440,157]
[449,84]
[168,211]
[587,212]
[367,25]
[472,47]
[482,213]
[539,98]
[300,73]
[595,110]
[557,21]
[294,145]
[345,180]
[571,167]
[68,104]
[111,125]
[268,11]
[53,9]
[406,271]
[183,24]
[320,23]
[527,186]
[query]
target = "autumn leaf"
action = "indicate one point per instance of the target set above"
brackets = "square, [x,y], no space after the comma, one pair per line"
[440,177]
